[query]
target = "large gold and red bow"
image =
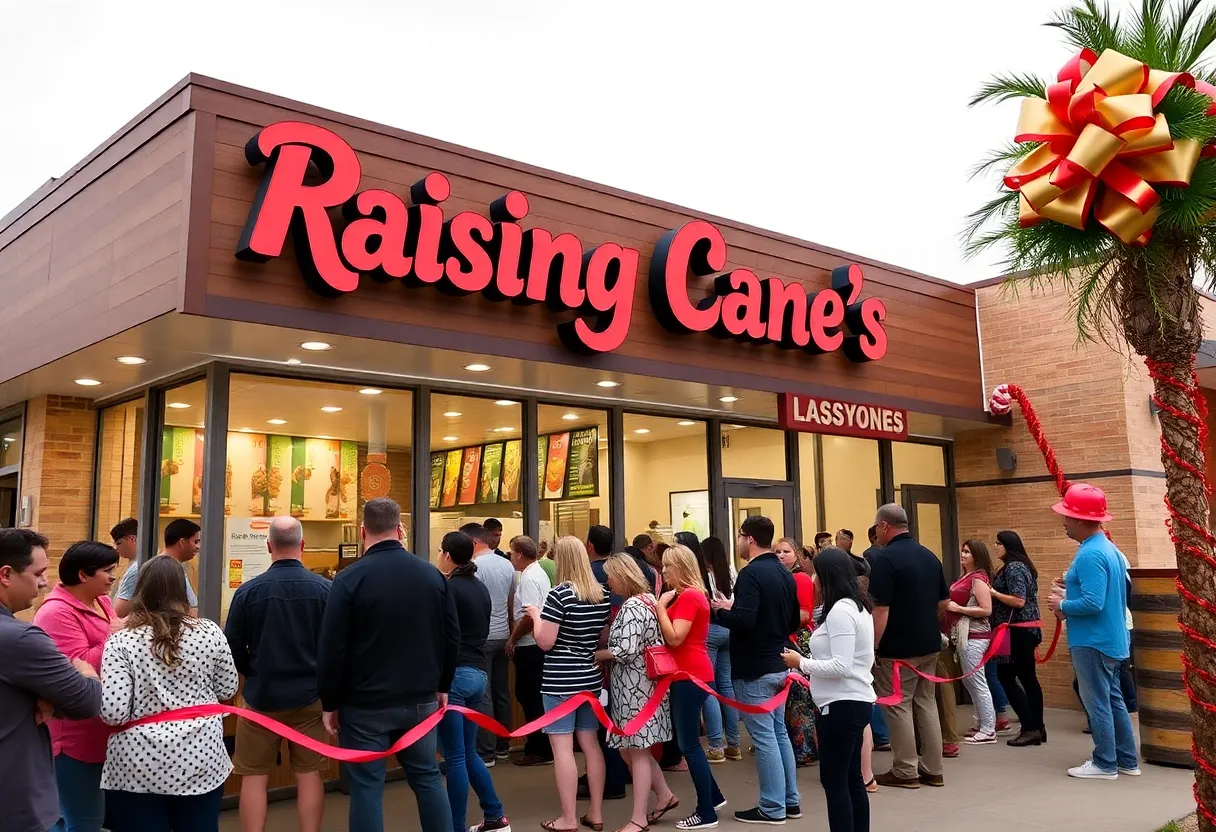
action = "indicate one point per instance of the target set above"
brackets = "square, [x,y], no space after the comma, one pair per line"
[1103,144]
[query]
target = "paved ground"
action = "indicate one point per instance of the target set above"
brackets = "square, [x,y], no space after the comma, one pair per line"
[989,787]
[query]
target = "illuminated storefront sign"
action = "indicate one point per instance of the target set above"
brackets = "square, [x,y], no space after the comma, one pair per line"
[813,414]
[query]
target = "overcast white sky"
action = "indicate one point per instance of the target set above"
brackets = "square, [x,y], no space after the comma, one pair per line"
[844,123]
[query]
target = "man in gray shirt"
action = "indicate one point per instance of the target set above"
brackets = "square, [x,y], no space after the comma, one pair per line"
[36,682]
[499,577]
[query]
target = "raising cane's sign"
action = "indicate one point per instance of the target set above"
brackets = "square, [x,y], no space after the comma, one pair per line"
[311,171]
[814,414]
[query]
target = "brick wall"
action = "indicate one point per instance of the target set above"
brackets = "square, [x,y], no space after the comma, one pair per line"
[1092,399]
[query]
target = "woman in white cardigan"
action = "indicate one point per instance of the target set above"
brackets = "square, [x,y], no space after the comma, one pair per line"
[842,653]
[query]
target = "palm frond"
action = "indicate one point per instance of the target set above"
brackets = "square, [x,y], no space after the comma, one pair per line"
[1176,34]
[1003,157]
[1004,87]
[1089,26]
[1004,207]
[1197,41]
[1189,209]
[1145,39]
[1187,113]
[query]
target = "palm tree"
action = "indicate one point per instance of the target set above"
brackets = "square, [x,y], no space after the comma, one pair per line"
[1131,269]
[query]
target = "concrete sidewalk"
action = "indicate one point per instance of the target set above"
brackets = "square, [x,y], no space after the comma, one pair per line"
[988,787]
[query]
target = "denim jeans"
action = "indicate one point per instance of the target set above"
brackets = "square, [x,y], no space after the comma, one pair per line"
[132,812]
[1098,680]
[878,725]
[721,719]
[775,766]
[81,800]
[687,700]
[458,742]
[376,730]
[999,700]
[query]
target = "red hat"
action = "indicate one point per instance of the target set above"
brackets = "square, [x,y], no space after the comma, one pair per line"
[1083,502]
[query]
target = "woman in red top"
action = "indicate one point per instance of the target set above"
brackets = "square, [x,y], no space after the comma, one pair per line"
[684,618]
[799,709]
[971,604]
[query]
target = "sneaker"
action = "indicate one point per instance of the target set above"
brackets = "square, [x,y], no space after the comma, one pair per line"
[496,825]
[950,750]
[1088,771]
[529,760]
[1130,772]
[489,761]
[793,811]
[719,807]
[896,782]
[980,738]
[694,821]
[733,752]
[756,816]
[503,753]
[716,755]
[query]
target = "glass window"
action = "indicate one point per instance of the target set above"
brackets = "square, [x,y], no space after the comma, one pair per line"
[666,479]
[10,443]
[10,464]
[118,466]
[181,465]
[316,451]
[574,493]
[476,460]
[852,486]
[916,464]
[753,453]
[808,492]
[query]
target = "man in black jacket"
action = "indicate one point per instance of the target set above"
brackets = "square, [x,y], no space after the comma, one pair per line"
[761,615]
[389,644]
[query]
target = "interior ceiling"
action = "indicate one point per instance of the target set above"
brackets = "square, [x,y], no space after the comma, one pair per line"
[175,343]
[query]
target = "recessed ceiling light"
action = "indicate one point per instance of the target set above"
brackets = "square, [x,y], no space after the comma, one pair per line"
[478,368]
[505,402]
[504,430]
[729,399]
[177,405]
[276,421]
[315,346]
[331,408]
[685,423]
[245,430]
[451,439]
[738,427]
[10,439]
[295,362]
[371,391]
[131,360]
[570,417]
[607,383]
[87,382]
[642,430]
[453,414]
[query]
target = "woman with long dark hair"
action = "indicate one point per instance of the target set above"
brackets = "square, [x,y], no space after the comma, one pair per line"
[966,623]
[841,656]
[721,721]
[799,708]
[166,776]
[1015,591]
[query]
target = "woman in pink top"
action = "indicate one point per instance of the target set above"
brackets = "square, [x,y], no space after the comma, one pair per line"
[78,617]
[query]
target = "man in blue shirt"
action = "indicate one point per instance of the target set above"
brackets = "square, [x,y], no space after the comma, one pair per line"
[1092,600]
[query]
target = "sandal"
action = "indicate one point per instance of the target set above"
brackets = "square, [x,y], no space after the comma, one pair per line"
[872,786]
[551,826]
[594,827]
[636,826]
[657,815]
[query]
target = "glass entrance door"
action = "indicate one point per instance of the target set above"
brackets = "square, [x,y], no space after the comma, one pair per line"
[931,522]
[744,500]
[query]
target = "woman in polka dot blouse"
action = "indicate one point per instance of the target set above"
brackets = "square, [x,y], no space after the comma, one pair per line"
[165,777]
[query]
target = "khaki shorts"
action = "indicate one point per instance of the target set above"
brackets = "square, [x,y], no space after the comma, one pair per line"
[257,749]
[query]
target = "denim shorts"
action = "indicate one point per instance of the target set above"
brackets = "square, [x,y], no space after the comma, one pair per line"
[582,719]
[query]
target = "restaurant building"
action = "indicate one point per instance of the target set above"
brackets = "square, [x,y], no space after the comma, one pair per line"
[240,306]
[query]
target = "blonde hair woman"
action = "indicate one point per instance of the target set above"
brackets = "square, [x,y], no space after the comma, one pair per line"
[635,628]
[684,616]
[568,630]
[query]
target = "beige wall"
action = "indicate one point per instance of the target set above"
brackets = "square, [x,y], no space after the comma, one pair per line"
[653,470]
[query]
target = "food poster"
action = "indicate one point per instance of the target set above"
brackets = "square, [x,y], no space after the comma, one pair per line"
[300,474]
[322,478]
[511,465]
[436,479]
[177,471]
[348,499]
[470,470]
[451,479]
[278,475]
[491,474]
[245,478]
[245,552]
[196,479]
[583,470]
[555,466]
[542,455]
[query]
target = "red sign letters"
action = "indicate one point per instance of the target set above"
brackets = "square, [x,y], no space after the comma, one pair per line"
[813,414]
[311,171]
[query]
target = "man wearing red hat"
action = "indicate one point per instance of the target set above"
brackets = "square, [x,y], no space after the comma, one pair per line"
[1092,600]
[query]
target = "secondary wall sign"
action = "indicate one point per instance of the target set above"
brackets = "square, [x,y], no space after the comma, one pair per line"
[311,171]
[814,414]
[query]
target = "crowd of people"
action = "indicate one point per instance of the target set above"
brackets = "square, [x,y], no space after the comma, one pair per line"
[330,660]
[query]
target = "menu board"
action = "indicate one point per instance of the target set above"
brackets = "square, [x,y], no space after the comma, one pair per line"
[469,471]
[245,475]
[278,475]
[437,460]
[348,501]
[451,479]
[555,466]
[542,454]
[583,469]
[491,474]
[512,464]
[178,461]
